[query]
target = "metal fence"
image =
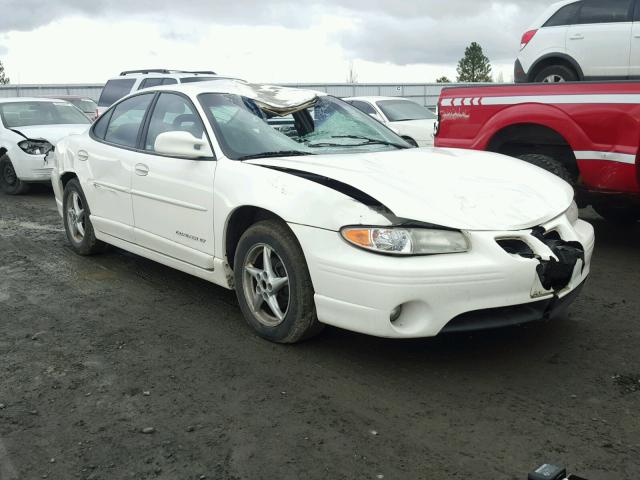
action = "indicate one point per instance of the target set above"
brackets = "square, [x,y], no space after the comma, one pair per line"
[423,93]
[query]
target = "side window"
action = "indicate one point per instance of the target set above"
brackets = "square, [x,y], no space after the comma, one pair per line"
[150,82]
[636,16]
[114,90]
[100,127]
[169,81]
[567,15]
[363,107]
[173,113]
[611,11]
[126,121]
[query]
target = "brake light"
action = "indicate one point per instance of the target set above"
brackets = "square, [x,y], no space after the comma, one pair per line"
[527,37]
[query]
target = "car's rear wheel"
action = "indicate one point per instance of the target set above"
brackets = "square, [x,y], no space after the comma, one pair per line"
[77,221]
[622,214]
[273,284]
[9,181]
[556,74]
[548,163]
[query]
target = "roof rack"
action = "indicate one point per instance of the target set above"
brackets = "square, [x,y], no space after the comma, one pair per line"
[165,71]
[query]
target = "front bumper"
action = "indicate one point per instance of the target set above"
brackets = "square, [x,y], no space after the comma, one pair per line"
[358,290]
[30,168]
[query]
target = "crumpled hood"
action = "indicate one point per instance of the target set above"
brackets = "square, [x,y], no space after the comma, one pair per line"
[463,189]
[51,133]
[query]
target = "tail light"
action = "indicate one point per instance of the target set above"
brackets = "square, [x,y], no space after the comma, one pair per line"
[527,37]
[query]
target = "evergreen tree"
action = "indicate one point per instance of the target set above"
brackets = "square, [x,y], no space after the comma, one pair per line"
[474,66]
[4,80]
[443,80]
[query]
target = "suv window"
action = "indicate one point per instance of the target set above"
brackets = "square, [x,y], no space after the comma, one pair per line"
[611,11]
[173,113]
[155,82]
[114,90]
[567,15]
[363,106]
[126,120]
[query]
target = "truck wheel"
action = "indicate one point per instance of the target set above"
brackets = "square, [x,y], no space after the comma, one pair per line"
[555,74]
[77,221]
[623,215]
[9,181]
[548,163]
[273,284]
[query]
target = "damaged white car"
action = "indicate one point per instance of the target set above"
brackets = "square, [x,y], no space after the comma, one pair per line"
[29,129]
[317,214]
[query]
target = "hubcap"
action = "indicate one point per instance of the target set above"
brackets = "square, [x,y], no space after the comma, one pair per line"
[9,174]
[266,285]
[554,79]
[76,217]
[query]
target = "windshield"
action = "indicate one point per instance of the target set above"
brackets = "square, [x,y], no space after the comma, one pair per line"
[329,125]
[24,114]
[403,110]
[84,104]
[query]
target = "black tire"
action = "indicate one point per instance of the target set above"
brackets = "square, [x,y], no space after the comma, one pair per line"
[560,73]
[620,214]
[87,243]
[9,181]
[299,320]
[550,164]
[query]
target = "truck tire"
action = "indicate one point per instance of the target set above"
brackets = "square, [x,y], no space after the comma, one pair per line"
[623,215]
[9,181]
[548,163]
[556,74]
[275,295]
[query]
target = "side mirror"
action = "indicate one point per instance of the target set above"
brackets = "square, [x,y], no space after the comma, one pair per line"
[182,144]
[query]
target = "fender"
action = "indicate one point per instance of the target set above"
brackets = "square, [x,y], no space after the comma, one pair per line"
[562,56]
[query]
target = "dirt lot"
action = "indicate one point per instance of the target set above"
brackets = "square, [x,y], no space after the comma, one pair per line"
[96,351]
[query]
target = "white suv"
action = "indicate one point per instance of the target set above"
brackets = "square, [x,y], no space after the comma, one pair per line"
[582,40]
[132,80]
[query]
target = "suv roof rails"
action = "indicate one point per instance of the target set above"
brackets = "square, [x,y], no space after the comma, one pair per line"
[165,71]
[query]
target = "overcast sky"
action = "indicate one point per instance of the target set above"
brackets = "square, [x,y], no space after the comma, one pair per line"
[74,41]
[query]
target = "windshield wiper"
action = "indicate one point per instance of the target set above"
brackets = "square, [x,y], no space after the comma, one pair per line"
[369,141]
[280,153]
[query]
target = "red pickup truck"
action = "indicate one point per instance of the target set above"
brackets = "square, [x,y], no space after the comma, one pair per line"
[586,133]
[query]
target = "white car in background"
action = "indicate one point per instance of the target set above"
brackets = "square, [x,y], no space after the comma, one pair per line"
[330,218]
[413,122]
[29,129]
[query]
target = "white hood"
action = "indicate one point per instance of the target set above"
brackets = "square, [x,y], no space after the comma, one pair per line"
[50,133]
[461,189]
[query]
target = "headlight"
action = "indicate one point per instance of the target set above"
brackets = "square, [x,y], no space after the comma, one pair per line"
[573,213]
[35,147]
[406,241]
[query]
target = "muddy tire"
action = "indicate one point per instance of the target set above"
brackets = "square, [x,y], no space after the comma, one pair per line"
[9,181]
[623,215]
[273,284]
[550,164]
[556,74]
[77,221]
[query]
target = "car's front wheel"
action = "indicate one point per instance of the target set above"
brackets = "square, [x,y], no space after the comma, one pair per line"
[77,221]
[273,284]
[9,181]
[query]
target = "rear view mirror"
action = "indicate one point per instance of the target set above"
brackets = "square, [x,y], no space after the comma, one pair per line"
[182,144]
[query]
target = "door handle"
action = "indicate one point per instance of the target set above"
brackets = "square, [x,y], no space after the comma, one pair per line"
[83,155]
[577,36]
[141,169]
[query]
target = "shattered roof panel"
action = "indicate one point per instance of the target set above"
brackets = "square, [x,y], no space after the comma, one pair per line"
[278,100]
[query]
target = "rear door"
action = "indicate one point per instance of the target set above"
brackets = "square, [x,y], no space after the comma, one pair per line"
[601,40]
[173,197]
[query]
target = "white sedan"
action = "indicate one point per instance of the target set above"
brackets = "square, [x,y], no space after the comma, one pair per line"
[413,122]
[316,214]
[29,129]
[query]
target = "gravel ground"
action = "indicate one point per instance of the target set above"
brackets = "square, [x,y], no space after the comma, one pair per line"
[114,367]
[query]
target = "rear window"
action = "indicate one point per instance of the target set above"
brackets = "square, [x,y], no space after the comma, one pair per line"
[611,11]
[23,114]
[567,15]
[114,90]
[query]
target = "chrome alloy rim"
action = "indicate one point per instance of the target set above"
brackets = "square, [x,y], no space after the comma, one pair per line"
[553,79]
[266,285]
[76,217]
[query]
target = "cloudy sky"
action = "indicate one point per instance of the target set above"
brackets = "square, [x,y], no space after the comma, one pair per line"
[75,41]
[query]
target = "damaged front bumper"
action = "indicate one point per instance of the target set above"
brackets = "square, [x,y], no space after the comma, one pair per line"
[487,287]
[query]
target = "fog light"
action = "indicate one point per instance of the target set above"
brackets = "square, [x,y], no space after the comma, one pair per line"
[395,313]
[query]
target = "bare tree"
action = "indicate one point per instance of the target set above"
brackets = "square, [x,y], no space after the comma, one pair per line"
[352,76]
[4,80]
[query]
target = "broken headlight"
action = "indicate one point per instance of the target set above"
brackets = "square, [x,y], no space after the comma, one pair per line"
[406,241]
[573,214]
[35,147]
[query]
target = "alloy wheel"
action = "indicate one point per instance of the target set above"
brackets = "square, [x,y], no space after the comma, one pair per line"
[76,217]
[555,78]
